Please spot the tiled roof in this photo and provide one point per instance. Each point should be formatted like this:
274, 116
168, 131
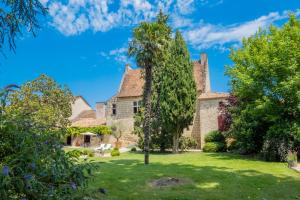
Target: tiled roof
132, 84
88, 122
86, 114
87, 118
213, 95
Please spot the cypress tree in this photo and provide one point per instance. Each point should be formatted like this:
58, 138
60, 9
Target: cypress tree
178, 91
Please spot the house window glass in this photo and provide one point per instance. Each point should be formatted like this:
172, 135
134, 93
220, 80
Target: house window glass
114, 109
135, 107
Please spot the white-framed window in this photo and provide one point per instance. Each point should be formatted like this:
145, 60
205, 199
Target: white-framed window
114, 109
136, 106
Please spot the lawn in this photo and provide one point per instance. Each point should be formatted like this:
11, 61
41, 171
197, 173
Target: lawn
210, 176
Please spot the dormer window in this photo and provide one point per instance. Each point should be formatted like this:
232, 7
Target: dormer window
114, 109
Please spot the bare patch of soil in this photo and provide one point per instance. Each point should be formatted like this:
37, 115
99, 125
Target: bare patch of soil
169, 181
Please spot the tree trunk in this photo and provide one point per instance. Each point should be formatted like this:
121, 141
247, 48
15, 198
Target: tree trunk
147, 103
175, 143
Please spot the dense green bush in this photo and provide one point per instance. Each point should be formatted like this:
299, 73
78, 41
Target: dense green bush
265, 81
88, 152
186, 143
33, 164
133, 149
115, 152
214, 147
214, 136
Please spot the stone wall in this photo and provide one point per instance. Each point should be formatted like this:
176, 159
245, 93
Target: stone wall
124, 116
78, 106
208, 110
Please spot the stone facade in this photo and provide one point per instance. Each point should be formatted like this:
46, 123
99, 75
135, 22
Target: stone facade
119, 109
208, 112
78, 106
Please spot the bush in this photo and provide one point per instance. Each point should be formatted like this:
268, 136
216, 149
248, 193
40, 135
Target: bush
88, 152
115, 152
187, 143
214, 147
133, 149
231, 144
33, 164
214, 136
275, 149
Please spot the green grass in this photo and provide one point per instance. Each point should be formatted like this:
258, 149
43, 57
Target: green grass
213, 176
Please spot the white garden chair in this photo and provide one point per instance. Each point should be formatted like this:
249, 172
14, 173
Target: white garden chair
100, 147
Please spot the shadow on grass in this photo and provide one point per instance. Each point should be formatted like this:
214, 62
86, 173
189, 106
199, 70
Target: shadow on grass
129, 179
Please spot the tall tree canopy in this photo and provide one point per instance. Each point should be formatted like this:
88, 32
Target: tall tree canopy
148, 45
17, 16
177, 96
265, 78
33, 119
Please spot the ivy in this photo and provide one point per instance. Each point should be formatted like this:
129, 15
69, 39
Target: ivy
100, 130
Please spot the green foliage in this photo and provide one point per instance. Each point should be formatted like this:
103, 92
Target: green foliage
33, 163
100, 130
172, 102
18, 16
177, 98
214, 136
186, 143
265, 79
115, 152
116, 131
133, 149
150, 39
159, 139
214, 147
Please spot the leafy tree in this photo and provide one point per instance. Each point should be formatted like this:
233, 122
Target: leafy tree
17, 16
147, 46
178, 91
265, 79
33, 164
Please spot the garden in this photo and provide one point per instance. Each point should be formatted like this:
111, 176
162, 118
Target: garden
196, 175
245, 159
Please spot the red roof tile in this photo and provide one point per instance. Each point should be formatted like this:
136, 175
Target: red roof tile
132, 85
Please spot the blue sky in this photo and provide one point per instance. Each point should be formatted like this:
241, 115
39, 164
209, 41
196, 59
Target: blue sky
82, 43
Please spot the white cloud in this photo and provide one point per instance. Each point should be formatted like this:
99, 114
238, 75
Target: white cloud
185, 6
180, 22
72, 17
119, 55
205, 35
76, 16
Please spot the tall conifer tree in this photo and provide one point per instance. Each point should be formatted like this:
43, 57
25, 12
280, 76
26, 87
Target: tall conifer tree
178, 91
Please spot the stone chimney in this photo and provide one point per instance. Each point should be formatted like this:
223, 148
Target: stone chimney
203, 59
204, 62
100, 110
127, 67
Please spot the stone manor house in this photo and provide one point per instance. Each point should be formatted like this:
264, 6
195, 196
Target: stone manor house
121, 108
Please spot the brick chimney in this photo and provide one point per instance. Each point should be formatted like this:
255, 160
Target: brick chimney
204, 62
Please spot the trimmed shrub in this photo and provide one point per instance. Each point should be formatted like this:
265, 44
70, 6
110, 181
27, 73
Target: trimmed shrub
187, 143
214, 147
115, 152
214, 136
133, 149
